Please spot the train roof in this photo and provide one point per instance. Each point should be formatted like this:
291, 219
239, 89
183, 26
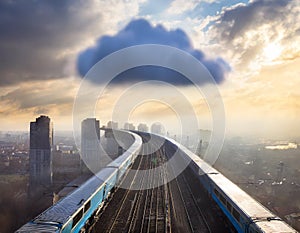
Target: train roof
66, 207
263, 218
61, 212
30, 227
121, 159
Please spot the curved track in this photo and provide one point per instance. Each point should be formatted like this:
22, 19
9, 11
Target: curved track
173, 207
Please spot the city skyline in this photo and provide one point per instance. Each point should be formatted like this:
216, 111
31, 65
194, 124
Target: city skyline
258, 40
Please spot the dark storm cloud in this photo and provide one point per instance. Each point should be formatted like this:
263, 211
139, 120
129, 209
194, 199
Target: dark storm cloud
245, 30
139, 32
35, 33
237, 20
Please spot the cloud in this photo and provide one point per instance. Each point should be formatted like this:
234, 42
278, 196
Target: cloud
39, 39
258, 33
20, 104
37, 96
35, 34
181, 6
139, 32
238, 19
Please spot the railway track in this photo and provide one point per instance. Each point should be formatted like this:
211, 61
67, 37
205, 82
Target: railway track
118, 222
140, 205
123, 194
196, 204
140, 210
171, 207
153, 214
194, 217
155, 218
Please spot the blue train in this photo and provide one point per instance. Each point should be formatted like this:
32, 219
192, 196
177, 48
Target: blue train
246, 214
71, 213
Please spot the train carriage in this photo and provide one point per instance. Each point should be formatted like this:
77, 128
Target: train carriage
71, 213
246, 214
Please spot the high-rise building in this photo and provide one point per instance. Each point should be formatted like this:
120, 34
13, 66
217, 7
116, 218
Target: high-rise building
112, 125
157, 128
129, 126
205, 135
40, 156
90, 143
143, 127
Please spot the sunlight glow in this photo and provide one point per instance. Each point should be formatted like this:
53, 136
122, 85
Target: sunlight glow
272, 51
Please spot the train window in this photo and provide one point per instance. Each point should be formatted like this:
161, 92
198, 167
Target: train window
77, 218
217, 193
243, 220
222, 198
235, 214
253, 230
228, 206
87, 206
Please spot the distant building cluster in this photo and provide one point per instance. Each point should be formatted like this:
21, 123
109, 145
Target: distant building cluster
41, 146
93, 146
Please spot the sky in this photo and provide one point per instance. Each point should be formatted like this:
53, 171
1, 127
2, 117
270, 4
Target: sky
251, 49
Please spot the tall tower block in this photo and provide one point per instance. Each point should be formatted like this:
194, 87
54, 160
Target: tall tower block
90, 144
40, 156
